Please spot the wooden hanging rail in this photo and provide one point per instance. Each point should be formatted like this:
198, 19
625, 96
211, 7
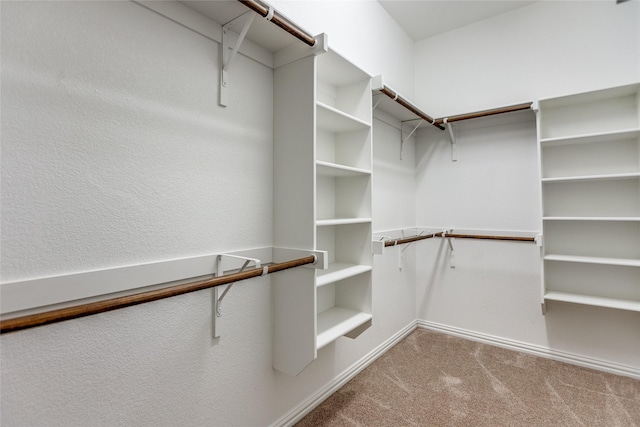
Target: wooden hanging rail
457, 236
406, 104
82, 310
483, 237
411, 239
279, 20
484, 113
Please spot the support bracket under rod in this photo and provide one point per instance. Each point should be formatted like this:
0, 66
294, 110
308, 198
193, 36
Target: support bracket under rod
452, 134
403, 140
452, 255
229, 52
226, 263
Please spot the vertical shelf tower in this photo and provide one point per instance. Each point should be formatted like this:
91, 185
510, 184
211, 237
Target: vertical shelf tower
589, 148
322, 186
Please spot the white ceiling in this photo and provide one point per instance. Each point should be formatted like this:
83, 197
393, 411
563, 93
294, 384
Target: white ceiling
425, 18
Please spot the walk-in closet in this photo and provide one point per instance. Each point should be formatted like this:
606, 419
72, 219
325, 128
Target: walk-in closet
320, 213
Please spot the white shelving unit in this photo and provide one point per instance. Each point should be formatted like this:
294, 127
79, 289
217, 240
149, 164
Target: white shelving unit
590, 158
322, 180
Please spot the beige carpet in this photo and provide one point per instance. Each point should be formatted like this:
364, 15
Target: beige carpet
432, 379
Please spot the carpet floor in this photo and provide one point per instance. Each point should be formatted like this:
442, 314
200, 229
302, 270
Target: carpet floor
432, 379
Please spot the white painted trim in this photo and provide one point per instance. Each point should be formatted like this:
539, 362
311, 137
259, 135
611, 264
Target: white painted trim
309, 404
47, 293
536, 350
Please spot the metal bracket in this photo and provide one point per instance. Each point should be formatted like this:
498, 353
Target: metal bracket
452, 255
226, 263
229, 52
452, 134
403, 140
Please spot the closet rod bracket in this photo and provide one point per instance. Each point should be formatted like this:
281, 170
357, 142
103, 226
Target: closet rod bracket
452, 255
226, 263
230, 46
452, 134
403, 140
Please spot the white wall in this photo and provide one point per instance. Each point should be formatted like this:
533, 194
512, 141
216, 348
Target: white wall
543, 50
363, 32
115, 152
547, 49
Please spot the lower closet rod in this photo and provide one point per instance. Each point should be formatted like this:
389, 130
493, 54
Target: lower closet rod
68, 313
458, 236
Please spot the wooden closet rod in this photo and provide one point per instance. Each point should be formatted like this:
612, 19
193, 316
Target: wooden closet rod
457, 236
478, 236
82, 310
280, 21
484, 113
411, 239
406, 104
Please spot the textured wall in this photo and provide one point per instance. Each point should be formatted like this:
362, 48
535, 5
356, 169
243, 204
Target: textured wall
114, 148
115, 152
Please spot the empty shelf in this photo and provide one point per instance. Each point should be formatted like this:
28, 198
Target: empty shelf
594, 260
339, 271
590, 138
334, 169
592, 218
341, 221
594, 301
337, 121
336, 322
633, 175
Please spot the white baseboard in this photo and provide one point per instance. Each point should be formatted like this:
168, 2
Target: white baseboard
574, 359
306, 406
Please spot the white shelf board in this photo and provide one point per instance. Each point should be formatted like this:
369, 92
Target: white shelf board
339, 271
616, 176
335, 120
592, 300
590, 138
336, 322
628, 262
593, 218
334, 169
341, 221
588, 97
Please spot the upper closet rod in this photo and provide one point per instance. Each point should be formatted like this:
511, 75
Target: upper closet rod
458, 236
484, 113
272, 15
40, 319
406, 104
